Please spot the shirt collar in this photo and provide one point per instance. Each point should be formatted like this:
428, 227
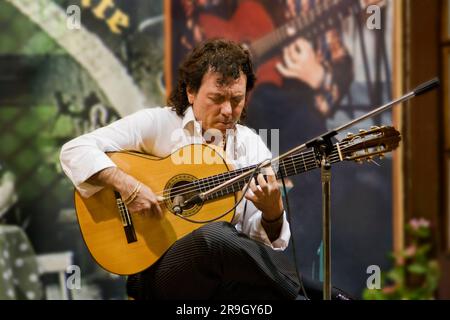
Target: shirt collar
189, 118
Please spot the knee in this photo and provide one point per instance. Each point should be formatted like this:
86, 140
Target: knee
215, 236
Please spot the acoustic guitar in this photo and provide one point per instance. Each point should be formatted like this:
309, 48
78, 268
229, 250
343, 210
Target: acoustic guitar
125, 243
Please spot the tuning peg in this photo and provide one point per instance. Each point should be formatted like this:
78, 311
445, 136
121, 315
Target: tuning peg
358, 161
349, 134
381, 156
362, 131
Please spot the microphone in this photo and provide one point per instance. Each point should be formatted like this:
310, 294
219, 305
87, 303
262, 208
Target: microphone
178, 205
177, 209
427, 86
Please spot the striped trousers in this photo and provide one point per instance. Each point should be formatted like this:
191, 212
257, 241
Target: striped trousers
218, 262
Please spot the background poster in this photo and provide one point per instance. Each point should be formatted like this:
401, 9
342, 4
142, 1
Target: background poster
358, 61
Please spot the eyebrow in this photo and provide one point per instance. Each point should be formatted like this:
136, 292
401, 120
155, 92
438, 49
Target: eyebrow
217, 94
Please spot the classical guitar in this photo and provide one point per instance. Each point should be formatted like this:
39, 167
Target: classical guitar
253, 26
125, 243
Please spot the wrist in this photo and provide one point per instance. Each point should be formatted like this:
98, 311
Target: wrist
272, 219
122, 182
272, 227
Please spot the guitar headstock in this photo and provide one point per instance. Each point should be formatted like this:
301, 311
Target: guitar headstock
365, 145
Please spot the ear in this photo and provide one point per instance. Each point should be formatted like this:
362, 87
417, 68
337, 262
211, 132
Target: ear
190, 95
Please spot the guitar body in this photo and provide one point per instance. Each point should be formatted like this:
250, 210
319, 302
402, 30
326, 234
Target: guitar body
102, 226
250, 22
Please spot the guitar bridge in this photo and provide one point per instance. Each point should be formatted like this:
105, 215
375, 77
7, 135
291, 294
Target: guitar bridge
125, 216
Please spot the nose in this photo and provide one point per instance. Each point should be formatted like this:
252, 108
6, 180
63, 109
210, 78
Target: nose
225, 109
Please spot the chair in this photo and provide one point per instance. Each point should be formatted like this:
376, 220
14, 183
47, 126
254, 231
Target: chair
56, 263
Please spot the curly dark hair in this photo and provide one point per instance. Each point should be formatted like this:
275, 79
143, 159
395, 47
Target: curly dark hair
223, 56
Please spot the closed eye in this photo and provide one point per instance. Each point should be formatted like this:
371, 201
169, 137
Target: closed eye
217, 99
236, 100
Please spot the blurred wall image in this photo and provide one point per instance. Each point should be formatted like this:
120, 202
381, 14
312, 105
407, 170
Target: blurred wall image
59, 83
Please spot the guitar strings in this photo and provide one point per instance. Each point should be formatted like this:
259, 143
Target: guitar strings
228, 175
229, 210
210, 182
289, 172
307, 157
241, 182
309, 162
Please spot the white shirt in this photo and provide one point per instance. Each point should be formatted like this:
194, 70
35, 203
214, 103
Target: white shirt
160, 132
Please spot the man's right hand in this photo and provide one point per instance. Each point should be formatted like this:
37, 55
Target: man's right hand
144, 202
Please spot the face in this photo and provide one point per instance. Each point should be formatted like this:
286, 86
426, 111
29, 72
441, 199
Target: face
218, 106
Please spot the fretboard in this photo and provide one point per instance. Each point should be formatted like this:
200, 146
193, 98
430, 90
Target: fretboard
290, 166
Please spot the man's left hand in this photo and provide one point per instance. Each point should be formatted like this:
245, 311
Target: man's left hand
266, 196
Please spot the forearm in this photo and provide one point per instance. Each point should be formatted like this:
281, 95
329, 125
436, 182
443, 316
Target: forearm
115, 178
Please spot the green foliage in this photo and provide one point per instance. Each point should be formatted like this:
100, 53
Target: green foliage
415, 275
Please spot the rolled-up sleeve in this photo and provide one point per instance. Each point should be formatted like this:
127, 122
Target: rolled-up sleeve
256, 231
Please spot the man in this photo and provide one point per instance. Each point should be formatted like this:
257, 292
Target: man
301, 84
218, 260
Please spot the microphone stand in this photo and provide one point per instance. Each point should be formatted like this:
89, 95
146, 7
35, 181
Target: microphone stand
323, 146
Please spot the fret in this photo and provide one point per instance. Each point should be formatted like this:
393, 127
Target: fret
293, 164
304, 164
284, 167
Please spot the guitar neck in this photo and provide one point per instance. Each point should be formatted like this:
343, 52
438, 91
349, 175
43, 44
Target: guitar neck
290, 166
325, 14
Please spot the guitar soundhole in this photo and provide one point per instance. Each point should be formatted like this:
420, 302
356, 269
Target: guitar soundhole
180, 189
